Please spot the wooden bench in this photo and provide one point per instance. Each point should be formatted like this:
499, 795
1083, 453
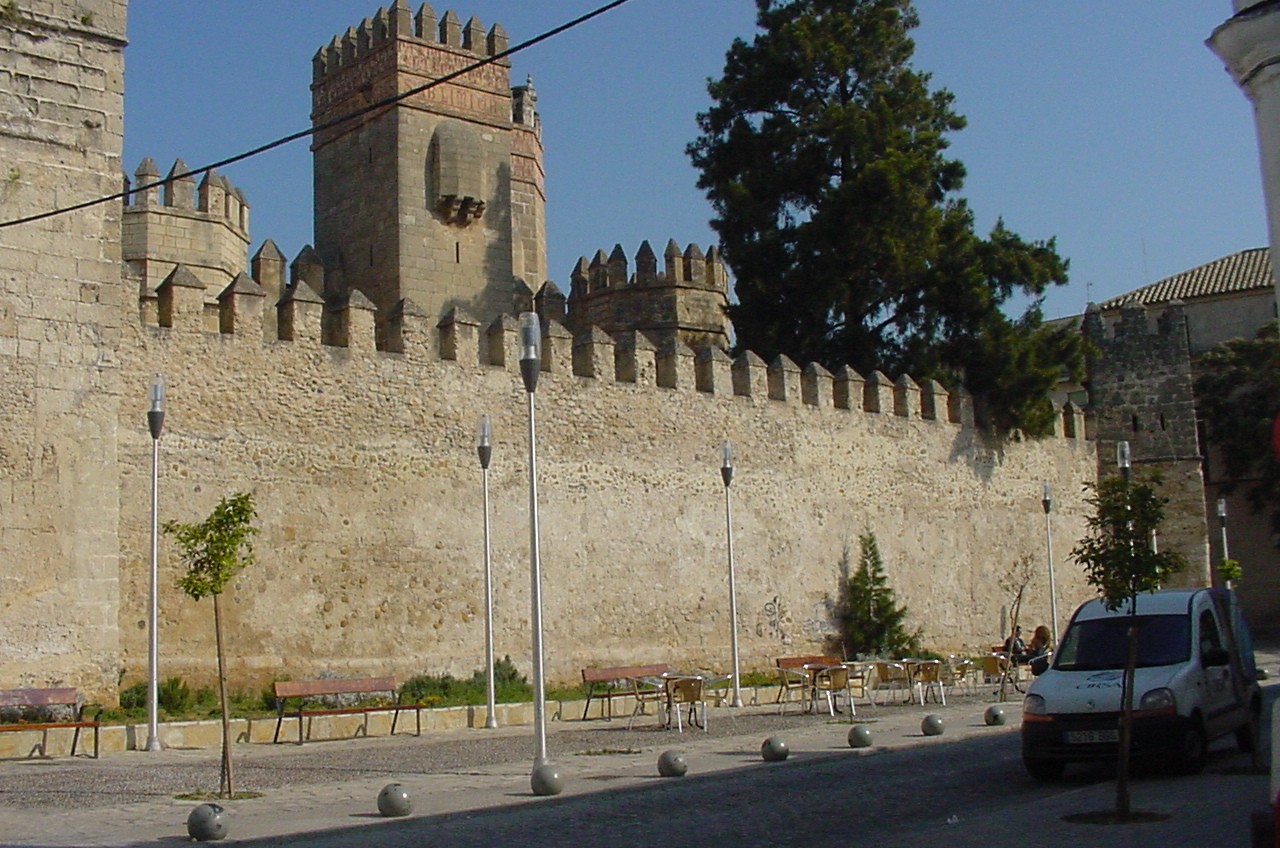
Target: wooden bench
605, 684
303, 690
59, 697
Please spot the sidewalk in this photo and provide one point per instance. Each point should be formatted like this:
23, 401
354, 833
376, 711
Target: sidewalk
127, 798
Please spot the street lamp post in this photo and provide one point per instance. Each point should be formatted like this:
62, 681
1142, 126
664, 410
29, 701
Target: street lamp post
545, 779
1046, 501
1222, 528
484, 448
155, 423
726, 473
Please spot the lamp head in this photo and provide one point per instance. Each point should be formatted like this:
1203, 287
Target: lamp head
726, 463
1122, 455
1046, 497
1222, 508
484, 442
155, 412
530, 350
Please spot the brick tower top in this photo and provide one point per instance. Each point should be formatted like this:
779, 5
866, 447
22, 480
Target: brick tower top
437, 199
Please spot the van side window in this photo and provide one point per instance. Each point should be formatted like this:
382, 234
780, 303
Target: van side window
1210, 640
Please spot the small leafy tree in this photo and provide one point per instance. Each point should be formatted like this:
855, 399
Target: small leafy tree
1015, 583
1119, 562
867, 611
214, 551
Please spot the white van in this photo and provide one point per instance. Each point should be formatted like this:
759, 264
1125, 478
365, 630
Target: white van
1195, 681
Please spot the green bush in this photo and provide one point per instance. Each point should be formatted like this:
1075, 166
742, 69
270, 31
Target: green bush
446, 690
134, 697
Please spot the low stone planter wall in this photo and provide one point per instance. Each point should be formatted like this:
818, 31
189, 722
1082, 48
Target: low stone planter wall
207, 734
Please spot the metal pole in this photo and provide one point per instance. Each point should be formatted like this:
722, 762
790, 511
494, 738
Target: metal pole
535, 595
1222, 526
545, 779
492, 720
153, 609
155, 423
733, 602
1048, 539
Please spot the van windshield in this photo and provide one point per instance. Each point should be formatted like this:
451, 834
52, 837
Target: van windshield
1101, 643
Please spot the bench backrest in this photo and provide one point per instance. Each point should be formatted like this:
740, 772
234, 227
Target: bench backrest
800, 662
312, 688
622, 672
38, 697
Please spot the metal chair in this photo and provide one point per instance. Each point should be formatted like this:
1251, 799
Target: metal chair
686, 690
928, 678
830, 681
890, 676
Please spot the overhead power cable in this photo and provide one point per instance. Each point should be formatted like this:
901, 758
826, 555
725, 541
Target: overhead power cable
327, 125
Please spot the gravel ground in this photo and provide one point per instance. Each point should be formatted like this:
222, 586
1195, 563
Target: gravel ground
138, 776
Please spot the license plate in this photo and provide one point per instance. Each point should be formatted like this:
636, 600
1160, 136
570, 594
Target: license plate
1091, 737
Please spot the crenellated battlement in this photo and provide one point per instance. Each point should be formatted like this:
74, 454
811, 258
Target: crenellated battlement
689, 267
686, 299
304, 319
174, 220
399, 22
214, 196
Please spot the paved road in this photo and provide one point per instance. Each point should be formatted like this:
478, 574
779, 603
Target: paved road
969, 792
471, 788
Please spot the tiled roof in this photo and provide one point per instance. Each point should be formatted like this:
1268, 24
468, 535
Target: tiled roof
1247, 270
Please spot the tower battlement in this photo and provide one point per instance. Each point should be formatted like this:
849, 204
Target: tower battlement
399, 22
685, 300
175, 221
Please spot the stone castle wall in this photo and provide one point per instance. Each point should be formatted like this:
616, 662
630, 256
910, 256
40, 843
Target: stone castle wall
364, 471
360, 453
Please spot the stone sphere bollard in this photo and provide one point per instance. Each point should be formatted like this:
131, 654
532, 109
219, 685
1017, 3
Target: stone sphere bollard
394, 801
932, 725
546, 780
994, 715
672, 764
774, 750
207, 822
859, 736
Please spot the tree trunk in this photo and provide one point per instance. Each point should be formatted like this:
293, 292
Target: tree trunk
227, 787
1126, 725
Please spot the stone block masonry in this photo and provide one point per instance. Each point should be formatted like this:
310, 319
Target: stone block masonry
363, 467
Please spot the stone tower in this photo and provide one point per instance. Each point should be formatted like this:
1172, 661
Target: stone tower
686, 300
1140, 388
63, 311
437, 199
1249, 44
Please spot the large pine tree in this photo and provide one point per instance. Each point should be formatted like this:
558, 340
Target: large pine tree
823, 155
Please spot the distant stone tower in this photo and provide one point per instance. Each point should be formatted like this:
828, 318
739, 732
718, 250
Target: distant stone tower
1249, 44
203, 227
684, 301
1140, 388
438, 199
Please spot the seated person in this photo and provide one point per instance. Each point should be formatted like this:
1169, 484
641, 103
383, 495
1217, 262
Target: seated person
1039, 645
1014, 646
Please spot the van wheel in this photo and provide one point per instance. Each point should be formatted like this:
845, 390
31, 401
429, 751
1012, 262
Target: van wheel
1195, 749
1044, 771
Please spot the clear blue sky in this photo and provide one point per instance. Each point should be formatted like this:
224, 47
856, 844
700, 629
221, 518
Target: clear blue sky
1106, 124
